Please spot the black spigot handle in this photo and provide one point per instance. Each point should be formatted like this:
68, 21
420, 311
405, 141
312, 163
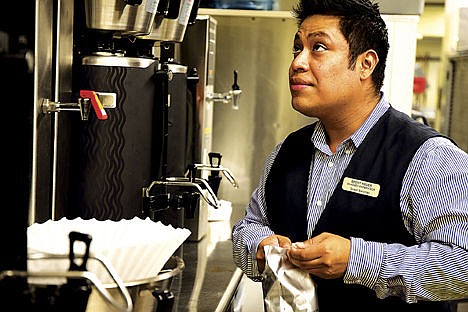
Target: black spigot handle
235, 86
215, 159
214, 179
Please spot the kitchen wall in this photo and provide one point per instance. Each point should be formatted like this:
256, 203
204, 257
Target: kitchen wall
455, 52
431, 30
259, 48
442, 35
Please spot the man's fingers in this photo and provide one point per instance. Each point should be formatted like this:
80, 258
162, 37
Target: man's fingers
283, 241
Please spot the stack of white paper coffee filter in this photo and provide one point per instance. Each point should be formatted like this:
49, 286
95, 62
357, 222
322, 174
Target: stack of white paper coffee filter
136, 248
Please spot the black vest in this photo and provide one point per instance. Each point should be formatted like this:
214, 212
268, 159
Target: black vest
382, 158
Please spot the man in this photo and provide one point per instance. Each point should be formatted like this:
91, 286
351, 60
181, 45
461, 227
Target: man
371, 203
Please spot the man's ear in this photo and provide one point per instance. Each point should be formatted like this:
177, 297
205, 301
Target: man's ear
367, 63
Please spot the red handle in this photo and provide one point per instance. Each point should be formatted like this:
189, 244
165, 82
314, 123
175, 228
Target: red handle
96, 103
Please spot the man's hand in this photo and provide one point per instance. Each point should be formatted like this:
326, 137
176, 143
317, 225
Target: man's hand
325, 255
274, 240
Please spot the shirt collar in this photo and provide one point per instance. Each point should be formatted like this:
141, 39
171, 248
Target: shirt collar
319, 137
380, 109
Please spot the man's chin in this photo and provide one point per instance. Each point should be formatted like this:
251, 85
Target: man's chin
303, 107
297, 104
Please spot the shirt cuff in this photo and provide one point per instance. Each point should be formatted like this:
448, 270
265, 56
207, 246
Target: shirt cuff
365, 262
254, 271
256, 275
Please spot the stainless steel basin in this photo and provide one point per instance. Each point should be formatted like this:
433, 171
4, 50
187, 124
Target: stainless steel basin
120, 16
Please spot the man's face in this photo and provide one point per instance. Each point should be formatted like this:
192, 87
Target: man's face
321, 82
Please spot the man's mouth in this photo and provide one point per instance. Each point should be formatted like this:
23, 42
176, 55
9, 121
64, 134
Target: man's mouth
298, 87
298, 84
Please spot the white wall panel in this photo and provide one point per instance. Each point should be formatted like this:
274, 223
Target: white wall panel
399, 74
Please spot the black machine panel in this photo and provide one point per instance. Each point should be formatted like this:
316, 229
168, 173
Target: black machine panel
115, 159
114, 156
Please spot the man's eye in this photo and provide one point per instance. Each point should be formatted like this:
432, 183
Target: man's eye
318, 47
296, 50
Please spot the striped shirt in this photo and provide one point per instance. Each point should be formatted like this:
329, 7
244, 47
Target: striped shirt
434, 207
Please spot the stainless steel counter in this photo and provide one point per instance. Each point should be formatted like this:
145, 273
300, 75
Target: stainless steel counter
210, 277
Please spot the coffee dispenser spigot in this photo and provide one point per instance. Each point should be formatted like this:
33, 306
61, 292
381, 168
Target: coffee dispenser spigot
217, 168
82, 105
97, 100
236, 92
199, 185
232, 95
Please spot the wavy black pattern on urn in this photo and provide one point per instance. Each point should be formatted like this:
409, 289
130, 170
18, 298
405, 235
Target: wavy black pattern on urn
113, 179
103, 144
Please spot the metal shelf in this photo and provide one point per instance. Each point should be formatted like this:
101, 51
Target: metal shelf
245, 13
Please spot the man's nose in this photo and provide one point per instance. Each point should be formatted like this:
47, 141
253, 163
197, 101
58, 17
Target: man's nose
300, 61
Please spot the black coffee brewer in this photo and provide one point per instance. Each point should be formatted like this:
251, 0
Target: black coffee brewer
121, 49
124, 48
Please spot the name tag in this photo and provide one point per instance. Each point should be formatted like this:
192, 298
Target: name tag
361, 187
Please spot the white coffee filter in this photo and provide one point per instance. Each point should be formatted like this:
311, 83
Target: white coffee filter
136, 248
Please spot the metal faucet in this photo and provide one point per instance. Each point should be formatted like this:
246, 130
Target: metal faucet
212, 199
82, 105
226, 172
232, 95
97, 100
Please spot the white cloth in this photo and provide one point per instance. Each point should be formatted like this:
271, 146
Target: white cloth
286, 288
